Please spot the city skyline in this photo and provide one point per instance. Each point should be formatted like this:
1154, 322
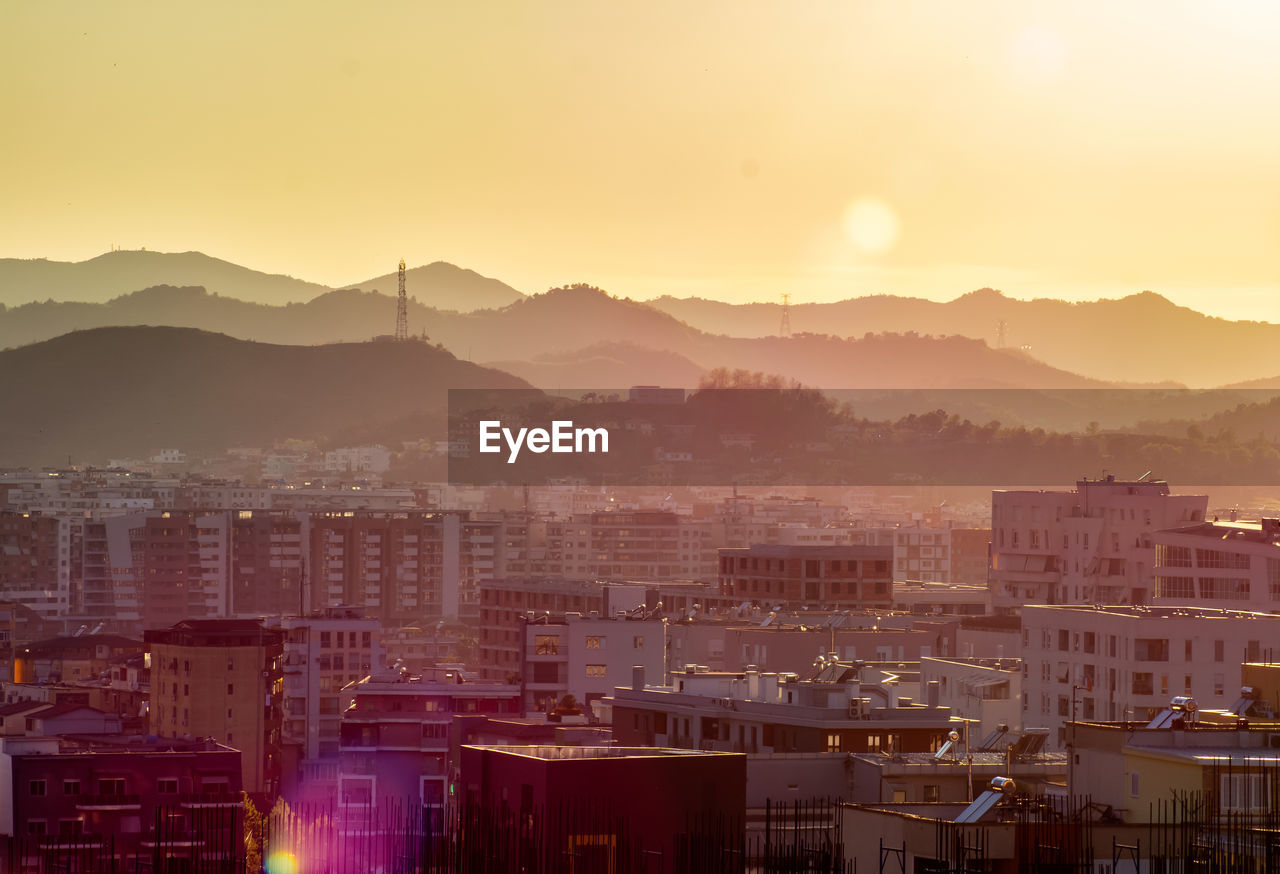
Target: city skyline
830, 152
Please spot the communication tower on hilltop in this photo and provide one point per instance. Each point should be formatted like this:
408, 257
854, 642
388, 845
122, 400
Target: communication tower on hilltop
402, 309
1001, 327
784, 330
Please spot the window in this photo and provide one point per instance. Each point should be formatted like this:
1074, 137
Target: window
595, 670
35, 788
931, 793
637, 642
1142, 684
546, 644
834, 742
231, 688
167, 786
36, 827
1244, 793
594, 642
325, 640
1218, 650
1175, 587
1134, 784
1217, 558
1173, 556
1225, 589
1219, 684
111, 786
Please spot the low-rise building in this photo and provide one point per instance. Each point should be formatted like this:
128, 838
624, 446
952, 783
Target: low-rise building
109, 803
395, 737
790, 577
1117, 663
585, 656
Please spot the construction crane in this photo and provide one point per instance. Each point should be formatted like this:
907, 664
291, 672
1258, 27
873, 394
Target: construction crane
402, 309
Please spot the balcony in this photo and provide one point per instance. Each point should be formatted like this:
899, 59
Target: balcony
207, 800
109, 802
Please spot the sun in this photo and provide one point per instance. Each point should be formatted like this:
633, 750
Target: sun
871, 225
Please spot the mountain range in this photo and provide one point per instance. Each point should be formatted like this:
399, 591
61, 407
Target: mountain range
116, 392
120, 272
1140, 338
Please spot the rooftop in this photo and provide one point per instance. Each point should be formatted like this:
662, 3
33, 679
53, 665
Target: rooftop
1145, 612
558, 753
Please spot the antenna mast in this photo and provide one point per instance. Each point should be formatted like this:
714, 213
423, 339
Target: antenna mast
402, 309
784, 330
1001, 327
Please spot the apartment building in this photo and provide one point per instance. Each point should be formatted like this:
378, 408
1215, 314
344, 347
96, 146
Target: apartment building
322, 653
585, 656
769, 713
1232, 565
395, 738
222, 678
838, 577
100, 800
1093, 545
1126, 662
633, 545
35, 562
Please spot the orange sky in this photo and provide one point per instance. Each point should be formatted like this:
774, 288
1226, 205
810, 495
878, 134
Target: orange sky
734, 150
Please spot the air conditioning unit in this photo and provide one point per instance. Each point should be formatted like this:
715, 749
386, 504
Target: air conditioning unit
855, 708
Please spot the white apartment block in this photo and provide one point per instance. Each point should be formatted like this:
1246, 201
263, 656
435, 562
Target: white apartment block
586, 656
322, 653
1126, 662
1094, 545
1231, 565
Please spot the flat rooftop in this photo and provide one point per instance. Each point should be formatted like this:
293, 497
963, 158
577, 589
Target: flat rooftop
549, 752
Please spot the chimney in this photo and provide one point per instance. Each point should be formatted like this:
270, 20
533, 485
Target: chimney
637, 678
934, 693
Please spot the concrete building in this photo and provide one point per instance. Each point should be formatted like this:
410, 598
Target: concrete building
95, 802
1118, 663
768, 713
633, 545
1094, 545
987, 693
837, 577
395, 738
609, 808
222, 678
1231, 565
35, 562
322, 654
68, 659
585, 656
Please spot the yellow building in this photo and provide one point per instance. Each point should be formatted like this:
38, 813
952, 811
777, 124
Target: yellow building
221, 678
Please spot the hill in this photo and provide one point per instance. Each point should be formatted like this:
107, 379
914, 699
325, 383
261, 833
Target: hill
121, 391
444, 286
1140, 338
115, 273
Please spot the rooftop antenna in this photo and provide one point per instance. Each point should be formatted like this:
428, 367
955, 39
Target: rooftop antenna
1001, 327
402, 309
784, 330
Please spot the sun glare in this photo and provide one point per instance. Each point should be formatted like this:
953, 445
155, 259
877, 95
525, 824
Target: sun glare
871, 225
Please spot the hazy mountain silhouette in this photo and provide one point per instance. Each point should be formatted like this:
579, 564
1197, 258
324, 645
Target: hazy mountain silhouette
1141, 338
557, 326
115, 273
606, 365
124, 391
444, 286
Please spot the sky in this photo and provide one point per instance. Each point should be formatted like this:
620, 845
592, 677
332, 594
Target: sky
725, 149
